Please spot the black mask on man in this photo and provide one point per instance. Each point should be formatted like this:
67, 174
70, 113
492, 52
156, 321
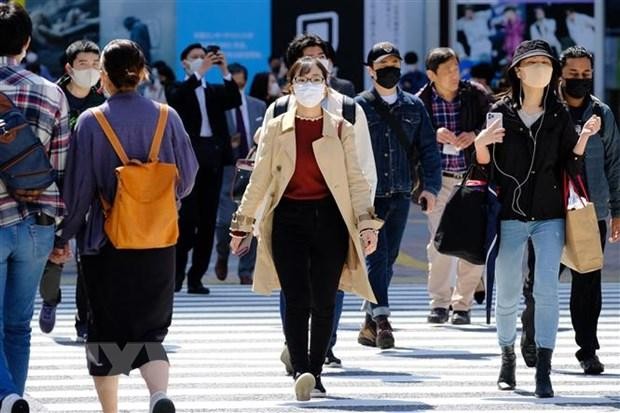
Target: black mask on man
578, 88
388, 77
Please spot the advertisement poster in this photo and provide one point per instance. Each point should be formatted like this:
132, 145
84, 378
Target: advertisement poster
488, 32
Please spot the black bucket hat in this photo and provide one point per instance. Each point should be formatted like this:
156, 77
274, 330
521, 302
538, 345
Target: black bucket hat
531, 48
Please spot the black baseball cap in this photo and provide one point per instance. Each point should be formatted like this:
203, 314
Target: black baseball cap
531, 48
380, 51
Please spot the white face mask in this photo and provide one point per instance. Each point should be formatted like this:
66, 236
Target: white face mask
85, 78
537, 75
326, 63
274, 89
309, 95
194, 65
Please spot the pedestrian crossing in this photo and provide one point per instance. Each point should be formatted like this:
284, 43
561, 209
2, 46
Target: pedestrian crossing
224, 351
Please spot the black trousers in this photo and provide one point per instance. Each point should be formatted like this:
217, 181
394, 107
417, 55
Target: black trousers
131, 294
310, 244
585, 303
198, 214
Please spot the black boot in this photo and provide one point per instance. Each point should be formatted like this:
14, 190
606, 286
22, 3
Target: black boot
543, 370
507, 380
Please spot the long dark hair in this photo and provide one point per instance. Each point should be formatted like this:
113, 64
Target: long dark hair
260, 86
513, 92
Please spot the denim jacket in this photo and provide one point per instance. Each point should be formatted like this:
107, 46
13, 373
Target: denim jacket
391, 159
602, 162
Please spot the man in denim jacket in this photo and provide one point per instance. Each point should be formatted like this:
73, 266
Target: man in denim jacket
394, 185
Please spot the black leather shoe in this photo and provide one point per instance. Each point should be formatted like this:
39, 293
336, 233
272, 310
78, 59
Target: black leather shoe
528, 350
543, 371
461, 317
507, 379
200, 289
437, 316
592, 366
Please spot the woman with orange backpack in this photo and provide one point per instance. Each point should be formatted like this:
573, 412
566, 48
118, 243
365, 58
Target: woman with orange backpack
130, 162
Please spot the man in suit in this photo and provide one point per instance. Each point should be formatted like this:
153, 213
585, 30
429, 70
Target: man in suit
202, 107
243, 122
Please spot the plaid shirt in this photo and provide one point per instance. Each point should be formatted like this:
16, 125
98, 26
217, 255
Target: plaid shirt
46, 108
447, 115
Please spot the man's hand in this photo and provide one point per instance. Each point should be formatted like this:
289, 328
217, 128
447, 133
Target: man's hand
220, 60
430, 201
446, 136
465, 139
614, 235
60, 255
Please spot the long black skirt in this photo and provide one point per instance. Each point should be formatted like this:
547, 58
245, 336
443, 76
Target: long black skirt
131, 295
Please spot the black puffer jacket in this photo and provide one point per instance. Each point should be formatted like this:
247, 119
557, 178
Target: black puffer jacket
542, 194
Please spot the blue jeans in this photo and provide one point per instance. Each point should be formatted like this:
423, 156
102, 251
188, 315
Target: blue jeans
24, 249
222, 227
337, 313
394, 211
548, 239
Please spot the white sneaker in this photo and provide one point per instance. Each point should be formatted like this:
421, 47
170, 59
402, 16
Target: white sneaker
14, 403
304, 384
285, 358
160, 403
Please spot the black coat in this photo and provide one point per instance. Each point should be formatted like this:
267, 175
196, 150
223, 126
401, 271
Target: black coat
219, 99
542, 195
475, 104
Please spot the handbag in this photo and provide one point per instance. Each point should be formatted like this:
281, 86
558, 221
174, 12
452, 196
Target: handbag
462, 229
582, 246
243, 171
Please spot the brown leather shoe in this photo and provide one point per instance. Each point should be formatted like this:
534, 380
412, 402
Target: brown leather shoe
385, 338
245, 280
368, 333
221, 268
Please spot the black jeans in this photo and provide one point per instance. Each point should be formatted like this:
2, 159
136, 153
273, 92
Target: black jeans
198, 214
310, 242
585, 303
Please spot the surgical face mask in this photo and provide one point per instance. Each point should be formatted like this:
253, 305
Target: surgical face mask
274, 89
195, 64
85, 78
578, 88
537, 75
388, 77
309, 95
326, 64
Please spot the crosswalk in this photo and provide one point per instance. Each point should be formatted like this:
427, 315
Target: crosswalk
224, 351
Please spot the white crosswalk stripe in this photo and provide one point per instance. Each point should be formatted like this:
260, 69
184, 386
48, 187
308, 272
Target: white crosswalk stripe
224, 351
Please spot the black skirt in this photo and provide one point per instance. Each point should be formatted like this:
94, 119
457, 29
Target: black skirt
131, 296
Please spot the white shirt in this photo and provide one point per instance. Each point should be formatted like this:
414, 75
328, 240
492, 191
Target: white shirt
390, 99
205, 126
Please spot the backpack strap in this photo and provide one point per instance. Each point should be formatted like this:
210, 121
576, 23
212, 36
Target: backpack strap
111, 135
280, 107
348, 109
159, 133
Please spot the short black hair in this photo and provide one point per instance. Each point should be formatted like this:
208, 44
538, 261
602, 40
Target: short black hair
482, 70
330, 52
411, 58
238, 68
576, 52
81, 46
191, 47
438, 56
15, 29
296, 48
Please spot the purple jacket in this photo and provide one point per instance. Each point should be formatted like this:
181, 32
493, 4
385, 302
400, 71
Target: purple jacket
91, 162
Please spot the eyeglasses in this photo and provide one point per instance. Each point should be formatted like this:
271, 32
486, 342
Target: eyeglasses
315, 80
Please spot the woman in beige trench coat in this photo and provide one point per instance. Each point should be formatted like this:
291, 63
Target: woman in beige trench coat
318, 223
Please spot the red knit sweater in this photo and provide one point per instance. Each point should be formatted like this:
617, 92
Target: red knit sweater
307, 182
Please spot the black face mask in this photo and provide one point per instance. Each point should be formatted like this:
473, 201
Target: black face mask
275, 69
578, 88
388, 77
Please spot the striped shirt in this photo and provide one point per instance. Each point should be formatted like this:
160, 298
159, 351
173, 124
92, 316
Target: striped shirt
46, 109
447, 115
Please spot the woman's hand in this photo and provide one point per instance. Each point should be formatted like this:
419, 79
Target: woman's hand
493, 134
591, 127
236, 240
369, 240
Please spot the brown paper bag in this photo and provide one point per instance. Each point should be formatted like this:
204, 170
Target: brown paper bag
582, 247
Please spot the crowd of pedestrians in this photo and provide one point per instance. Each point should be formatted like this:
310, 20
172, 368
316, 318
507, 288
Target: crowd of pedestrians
141, 169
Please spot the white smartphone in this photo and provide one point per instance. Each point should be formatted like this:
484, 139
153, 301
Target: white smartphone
493, 116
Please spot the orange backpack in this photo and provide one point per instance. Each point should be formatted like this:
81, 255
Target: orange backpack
144, 213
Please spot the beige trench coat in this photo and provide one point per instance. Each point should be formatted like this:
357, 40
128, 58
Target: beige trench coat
275, 165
